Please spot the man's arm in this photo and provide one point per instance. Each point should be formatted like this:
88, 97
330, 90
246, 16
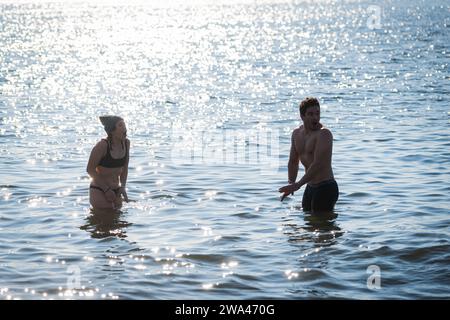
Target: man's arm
322, 156
293, 160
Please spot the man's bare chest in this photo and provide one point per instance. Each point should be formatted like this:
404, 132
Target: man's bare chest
305, 145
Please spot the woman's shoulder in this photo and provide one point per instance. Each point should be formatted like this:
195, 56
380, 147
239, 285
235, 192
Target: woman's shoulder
102, 144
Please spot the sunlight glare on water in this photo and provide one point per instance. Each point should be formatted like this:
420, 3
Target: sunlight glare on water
209, 92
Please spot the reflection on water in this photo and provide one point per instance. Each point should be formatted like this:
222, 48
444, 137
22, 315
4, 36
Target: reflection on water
324, 227
311, 237
106, 223
219, 69
318, 228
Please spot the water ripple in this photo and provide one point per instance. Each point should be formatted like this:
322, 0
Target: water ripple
187, 76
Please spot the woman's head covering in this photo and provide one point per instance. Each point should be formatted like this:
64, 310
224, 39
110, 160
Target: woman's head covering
109, 122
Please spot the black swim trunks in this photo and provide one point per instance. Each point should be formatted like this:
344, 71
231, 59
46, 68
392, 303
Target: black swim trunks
320, 197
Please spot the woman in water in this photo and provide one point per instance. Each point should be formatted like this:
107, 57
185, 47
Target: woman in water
108, 166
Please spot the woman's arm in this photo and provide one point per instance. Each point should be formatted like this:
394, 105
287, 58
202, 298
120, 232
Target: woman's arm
96, 155
124, 174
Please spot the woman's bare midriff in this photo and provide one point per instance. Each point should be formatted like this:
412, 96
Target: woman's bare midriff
108, 177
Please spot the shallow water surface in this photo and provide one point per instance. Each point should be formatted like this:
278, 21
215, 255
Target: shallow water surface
210, 95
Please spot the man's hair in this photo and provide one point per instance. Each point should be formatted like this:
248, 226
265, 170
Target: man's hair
307, 103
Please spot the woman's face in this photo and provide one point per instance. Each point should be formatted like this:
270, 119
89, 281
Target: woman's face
121, 129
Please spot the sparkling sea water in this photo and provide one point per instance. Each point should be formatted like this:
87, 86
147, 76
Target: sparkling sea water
209, 92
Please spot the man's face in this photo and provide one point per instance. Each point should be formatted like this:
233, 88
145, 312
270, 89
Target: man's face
311, 119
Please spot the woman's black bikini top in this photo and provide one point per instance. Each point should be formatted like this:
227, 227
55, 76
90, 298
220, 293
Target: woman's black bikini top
109, 162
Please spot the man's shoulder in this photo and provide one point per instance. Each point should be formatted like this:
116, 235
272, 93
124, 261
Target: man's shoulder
296, 133
325, 133
297, 130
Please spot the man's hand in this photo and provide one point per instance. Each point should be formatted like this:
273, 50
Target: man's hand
289, 189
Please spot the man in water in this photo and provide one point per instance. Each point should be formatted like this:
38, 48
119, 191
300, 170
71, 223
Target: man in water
312, 144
